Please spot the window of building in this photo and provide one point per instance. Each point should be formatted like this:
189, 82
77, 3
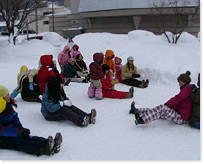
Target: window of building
45, 22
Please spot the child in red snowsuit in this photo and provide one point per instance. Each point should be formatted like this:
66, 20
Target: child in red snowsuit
107, 84
44, 75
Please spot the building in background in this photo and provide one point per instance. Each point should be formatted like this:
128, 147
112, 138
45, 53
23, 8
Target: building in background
117, 16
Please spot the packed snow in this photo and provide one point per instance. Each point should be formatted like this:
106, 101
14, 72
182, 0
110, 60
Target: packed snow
115, 135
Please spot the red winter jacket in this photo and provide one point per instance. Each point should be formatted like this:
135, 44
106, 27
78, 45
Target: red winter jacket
109, 93
95, 67
182, 102
44, 75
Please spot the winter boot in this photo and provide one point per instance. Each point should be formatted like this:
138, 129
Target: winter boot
48, 147
92, 116
91, 92
57, 141
98, 94
138, 119
85, 121
146, 83
130, 93
66, 82
132, 109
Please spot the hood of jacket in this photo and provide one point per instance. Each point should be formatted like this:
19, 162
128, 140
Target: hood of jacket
66, 48
46, 60
116, 59
98, 58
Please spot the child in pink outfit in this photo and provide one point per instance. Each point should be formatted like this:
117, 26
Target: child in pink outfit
75, 51
118, 67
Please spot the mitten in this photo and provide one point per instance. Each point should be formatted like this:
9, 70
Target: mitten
31, 86
67, 103
114, 81
14, 94
25, 133
135, 75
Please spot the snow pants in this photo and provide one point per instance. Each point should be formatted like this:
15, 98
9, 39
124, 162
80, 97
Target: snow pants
33, 145
115, 94
132, 82
72, 114
162, 111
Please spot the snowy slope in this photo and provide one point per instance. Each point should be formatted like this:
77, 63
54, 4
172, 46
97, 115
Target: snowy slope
114, 136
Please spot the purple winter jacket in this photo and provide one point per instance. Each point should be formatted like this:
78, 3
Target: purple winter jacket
182, 102
63, 56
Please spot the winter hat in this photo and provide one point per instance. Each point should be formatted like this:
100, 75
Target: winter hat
71, 60
105, 67
3, 91
130, 58
109, 53
76, 46
185, 77
23, 68
2, 104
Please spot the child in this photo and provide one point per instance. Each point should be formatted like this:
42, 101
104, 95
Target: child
56, 106
27, 85
14, 136
81, 66
177, 109
63, 57
70, 43
70, 73
44, 74
107, 84
194, 119
95, 68
129, 73
75, 51
118, 67
110, 62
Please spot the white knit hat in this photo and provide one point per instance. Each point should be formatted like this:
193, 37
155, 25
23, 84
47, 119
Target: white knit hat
130, 58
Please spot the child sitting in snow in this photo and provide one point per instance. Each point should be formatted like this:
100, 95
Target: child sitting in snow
129, 75
177, 109
75, 51
14, 136
107, 84
70, 73
63, 58
118, 67
194, 119
27, 85
56, 106
81, 66
95, 68
109, 55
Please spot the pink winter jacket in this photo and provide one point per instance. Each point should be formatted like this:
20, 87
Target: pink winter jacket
182, 102
63, 56
118, 70
74, 54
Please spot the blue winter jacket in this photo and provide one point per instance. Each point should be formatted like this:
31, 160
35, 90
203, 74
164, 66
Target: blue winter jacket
70, 70
48, 106
10, 124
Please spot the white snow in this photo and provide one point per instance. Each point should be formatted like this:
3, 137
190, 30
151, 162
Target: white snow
115, 135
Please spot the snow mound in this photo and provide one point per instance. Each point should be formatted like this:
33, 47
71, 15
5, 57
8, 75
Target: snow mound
140, 34
54, 38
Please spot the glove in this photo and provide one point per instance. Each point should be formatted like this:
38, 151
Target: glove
31, 86
114, 81
65, 103
135, 75
25, 133
14, 93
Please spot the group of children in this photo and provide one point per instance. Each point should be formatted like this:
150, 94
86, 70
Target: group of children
104, 72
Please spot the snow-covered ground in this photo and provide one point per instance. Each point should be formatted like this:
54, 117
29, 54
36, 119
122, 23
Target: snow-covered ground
115, 135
